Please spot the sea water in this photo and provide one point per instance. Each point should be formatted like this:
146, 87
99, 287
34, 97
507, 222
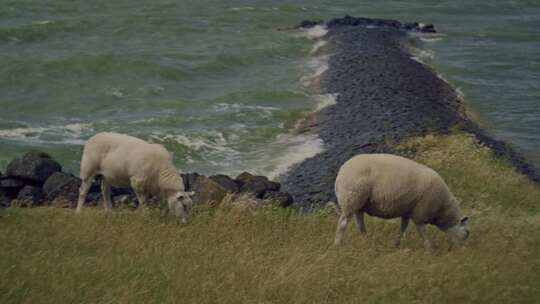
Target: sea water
222, 84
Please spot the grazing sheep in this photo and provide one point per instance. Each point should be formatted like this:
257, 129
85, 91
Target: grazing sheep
389, 186
125, 161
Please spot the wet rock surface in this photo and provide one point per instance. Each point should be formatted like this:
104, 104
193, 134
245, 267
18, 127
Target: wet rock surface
61, 185
10, 186
34, 167
258, 185
30, 196
62, 188
383, 96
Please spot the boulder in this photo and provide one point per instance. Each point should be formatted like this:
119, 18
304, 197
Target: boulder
62, 186
226, 182
309, 23
189, 180
124, 199
10, 186
5, 201
257, 185
208, 191
34, 167
30, 196
283, 199
428, 28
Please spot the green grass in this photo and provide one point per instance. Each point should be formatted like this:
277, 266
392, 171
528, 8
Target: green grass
238, 254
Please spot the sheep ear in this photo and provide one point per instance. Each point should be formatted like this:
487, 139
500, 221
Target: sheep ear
465, 220
190, 193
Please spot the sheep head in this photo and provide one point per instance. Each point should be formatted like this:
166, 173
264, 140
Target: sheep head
180, 203
458, 233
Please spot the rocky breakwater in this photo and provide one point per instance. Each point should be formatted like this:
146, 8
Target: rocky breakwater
37, 179
383, 96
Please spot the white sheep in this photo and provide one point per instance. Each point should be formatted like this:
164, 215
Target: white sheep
125, 161
389, 186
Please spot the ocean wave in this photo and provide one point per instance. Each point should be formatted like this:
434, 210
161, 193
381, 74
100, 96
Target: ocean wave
317, 46
314, 33
211, 146
325, 100
421, 55
35, 32
264, 111
66, 134
318, 65
242, 8
297, 149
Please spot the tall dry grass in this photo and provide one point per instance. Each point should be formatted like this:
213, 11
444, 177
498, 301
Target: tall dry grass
233, 254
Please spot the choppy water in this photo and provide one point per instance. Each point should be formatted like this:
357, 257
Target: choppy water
220, 86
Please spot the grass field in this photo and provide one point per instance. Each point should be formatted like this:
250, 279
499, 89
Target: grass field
237, 254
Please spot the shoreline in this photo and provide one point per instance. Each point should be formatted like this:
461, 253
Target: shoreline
384, 96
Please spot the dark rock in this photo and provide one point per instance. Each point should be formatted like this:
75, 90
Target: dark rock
5, 201
34, 167
208, 191
189, 180
411, 26
121, 191
354, 21
243, 178
257, 185
384, 96
283, 199
309, 23
92, 199
11, 186
383, 23
30, 196
226, 182
62, 186
124, 199
428, 28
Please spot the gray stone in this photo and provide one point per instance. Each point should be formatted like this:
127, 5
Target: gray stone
208, 191
62, 186
189, 180
226, 182
5, 201
34, 167
30, 196
257, 185
11, 186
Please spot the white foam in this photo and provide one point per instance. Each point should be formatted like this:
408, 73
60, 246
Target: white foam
115, 92
44, 22
319, 65
422, 55
441, 77
242, 8
300, 147
313, 33
263, 111
66, 134
317, 46
460, 94
430, 39
208, 143
325, 100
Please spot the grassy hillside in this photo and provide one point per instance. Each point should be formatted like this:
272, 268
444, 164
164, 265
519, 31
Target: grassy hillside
236, 254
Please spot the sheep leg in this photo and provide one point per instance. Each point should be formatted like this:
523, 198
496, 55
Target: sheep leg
106, 192
402, 228
422, 231
359, 215
83, 191
341, 226
141, 197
